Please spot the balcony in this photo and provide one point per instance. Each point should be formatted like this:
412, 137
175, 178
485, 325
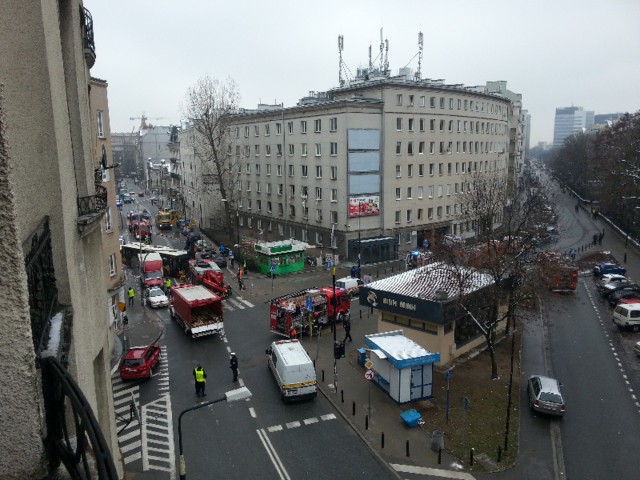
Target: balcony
87, 37
92, 207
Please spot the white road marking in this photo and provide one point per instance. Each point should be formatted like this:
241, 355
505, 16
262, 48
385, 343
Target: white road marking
328, 416
435, 472
275, 459
252, 412
275, 428
295, 424
309, 421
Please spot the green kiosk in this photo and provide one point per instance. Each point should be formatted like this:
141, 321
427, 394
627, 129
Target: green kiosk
282, 257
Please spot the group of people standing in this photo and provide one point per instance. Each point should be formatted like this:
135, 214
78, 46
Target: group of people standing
200, 376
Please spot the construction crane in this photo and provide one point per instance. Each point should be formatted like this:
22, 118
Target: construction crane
143, 120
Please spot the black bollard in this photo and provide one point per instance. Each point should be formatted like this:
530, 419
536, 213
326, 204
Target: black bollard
382, 440
353, 412
391, 268
408, 448
439, 455
471, 458
323, 375
342, 395
361, 314
377, 273
366, 422
499, 453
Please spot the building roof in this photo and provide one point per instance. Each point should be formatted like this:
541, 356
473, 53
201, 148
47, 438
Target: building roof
425, 282
401, 352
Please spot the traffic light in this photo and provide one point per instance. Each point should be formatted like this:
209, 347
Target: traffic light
338, 350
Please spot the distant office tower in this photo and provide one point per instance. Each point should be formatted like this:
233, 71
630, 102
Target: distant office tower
568, 121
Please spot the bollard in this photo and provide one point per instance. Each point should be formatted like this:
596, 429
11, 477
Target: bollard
499, 453
471, 457
323, 375
408, 448
361, 314
377, 273
366, 422
353, 412
382, 440
342, 395
391, 268
439, 455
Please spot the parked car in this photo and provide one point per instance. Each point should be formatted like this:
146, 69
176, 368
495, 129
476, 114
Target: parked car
156, 297
545, 395
139, 362
221, 262
608, 267
623, 294
627, 316
126, 198
612, 286
609, 278
141, 193
636, 348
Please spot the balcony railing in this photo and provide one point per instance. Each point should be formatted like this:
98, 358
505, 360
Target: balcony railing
87, 37
93, 204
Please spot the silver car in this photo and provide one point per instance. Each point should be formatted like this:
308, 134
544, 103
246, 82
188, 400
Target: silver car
545, 395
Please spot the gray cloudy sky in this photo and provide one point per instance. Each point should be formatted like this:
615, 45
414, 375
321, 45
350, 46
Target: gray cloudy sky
556, 53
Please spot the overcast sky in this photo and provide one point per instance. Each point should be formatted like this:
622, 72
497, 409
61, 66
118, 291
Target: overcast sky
555, 53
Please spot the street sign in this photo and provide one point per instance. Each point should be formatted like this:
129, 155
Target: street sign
272, 268
369, 374
448, 373
368, 364
309, 302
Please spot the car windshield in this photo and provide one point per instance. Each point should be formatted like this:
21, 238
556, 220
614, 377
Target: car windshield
136, 362
156, 293
153, 275
550, 397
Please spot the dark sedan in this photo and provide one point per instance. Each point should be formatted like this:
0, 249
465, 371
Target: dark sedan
623, 294
221, 262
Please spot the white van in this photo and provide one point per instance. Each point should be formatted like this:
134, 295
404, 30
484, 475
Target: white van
351, 285
627, 315
292, 369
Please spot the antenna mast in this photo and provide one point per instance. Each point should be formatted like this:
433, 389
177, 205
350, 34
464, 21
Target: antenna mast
370, 62
420, 47
340, 48
386, 57
381, 53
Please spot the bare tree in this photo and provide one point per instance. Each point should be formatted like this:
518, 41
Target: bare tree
207, 106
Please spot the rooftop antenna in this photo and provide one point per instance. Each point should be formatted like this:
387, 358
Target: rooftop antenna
370, 60
420, 47
381, 52
386, 57
340, 48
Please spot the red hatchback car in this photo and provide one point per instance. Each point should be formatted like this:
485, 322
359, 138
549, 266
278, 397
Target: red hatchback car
139, 362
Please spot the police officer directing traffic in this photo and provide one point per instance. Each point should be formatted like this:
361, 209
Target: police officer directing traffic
199, 375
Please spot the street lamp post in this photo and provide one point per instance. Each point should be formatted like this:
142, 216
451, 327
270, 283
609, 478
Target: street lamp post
359, 242
231, 396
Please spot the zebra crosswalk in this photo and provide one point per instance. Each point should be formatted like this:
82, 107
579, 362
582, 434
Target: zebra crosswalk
236, 303
146, 431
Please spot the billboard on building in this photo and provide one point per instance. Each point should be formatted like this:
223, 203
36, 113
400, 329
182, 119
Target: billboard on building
365, 206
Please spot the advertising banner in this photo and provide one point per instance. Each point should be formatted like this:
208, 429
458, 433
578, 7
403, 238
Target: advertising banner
364, 206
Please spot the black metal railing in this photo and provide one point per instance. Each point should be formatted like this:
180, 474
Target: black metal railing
93, 203
87, 36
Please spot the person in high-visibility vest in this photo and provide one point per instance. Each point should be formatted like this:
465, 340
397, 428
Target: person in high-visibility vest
167, 285
200, 377
132, 294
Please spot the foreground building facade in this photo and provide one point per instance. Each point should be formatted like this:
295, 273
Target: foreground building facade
367, 169
55, 340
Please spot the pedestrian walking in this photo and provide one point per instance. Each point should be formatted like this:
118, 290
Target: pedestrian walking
233, 365
347, 329
595, 239
132, 294
577, 208
600, 237
200, 376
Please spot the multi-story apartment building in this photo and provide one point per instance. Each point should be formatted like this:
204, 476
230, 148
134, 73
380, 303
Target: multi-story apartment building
111, 228
125, 152
369, 168
570, 120
55, 342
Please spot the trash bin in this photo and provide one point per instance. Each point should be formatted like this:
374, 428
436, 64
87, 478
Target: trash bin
437, 440
411, 417
362, 356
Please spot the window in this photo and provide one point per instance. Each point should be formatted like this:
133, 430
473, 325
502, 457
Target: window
409, 216
318, 171
441, 169
318, 125
419, 214
398, 148
430, 213
432, 102
398, 171
442, 125
334, 216
268, 169
108, 227
246, 131
112, 265
431, 169
334, 173
399, 123
249, 208
432, 125
257, 169
100, 120
292, 170
421, 170
292, 191
411, 100
280, 212
305, 171
237, 132
439, 190
451, 103
411, 124
422, 124
318, 215
267, 150
398, 213
423, 101
441, 147
303, 148
334, 194
432, 147
439, 212
399, 99
278, 128
448, 210
279, 170
290, 127
256, 130
318, 193
410, 170
420, 192
409, 193
334, 148
256, 149
333, 124
398, 194
319, 238
442, 100
448, 190
267, 130
318, 149
280, 189
291, 149
448, 168
258, 187
430, 191
451, 125
259, 208
247, 150
279, 149
410, 148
